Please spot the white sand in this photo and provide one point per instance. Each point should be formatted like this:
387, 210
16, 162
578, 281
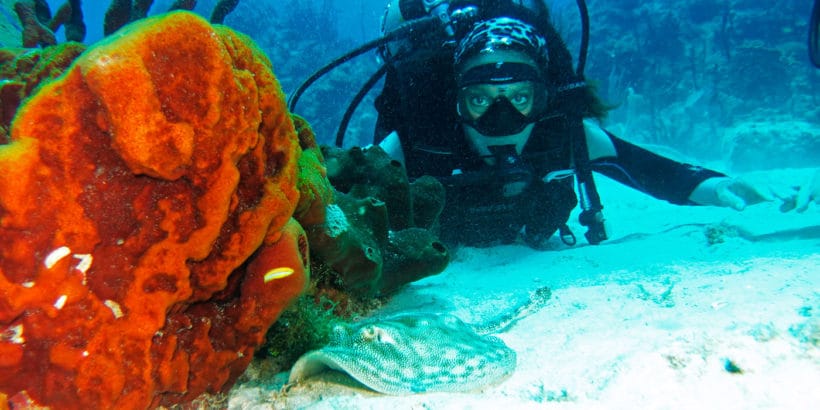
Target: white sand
648, 319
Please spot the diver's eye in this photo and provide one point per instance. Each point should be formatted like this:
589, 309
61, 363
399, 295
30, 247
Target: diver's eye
520, 99
479, 100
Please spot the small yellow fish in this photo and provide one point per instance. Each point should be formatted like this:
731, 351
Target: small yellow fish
278, 273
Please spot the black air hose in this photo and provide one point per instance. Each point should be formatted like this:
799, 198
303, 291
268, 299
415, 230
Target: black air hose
400, 31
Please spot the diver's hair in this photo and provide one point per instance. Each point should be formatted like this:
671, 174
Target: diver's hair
584, 101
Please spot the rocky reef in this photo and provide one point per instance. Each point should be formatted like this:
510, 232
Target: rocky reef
786, 143
23, 71
366, 222
373, 233
38, 24
146, 219
379, 233
696, 75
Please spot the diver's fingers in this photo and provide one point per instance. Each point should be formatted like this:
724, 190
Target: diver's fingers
728, 198
809, 192
788, 205
747, 190
784, 192
753, 189
801, 201
805, 196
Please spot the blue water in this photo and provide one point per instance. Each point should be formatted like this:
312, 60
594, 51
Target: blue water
681, 76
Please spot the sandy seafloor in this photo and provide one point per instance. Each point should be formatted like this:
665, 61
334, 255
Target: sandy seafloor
646, 320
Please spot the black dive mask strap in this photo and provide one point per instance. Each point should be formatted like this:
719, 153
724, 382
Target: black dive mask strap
499, 73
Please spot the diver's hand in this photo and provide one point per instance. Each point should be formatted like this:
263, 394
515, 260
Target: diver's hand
738, 193
809, 192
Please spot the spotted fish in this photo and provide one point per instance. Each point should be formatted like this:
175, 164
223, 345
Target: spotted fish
416, 353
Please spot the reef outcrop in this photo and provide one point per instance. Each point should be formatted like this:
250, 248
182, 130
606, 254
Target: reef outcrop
378, 233
22, 71
146, 220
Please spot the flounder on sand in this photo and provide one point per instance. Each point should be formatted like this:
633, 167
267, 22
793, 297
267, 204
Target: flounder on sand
415, 353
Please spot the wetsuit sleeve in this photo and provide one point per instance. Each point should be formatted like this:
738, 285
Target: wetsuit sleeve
661, 177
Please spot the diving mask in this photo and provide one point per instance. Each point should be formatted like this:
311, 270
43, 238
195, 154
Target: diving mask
500, 99
502, 117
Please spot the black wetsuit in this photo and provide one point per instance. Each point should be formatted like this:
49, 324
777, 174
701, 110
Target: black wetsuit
476, 212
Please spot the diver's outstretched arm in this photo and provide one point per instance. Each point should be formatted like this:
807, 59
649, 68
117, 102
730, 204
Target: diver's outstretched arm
680, 183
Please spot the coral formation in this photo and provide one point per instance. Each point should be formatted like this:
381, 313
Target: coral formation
23, 71
122, 12
351, 230
314, 188
689, 75
356, 256
307, 325
183, 5
372, 173
145, 215
222, 9
70, 15
411, 254
370, 235
349, 246
39, 26
35, 30
772, 143
117, 15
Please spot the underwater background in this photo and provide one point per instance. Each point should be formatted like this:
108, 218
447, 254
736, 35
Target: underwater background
684, 307
715, 80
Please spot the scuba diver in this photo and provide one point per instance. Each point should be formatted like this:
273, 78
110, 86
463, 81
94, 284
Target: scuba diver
483, 96
492, 106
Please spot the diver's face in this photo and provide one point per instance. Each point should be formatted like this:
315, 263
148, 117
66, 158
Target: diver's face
501, 92
477, 99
